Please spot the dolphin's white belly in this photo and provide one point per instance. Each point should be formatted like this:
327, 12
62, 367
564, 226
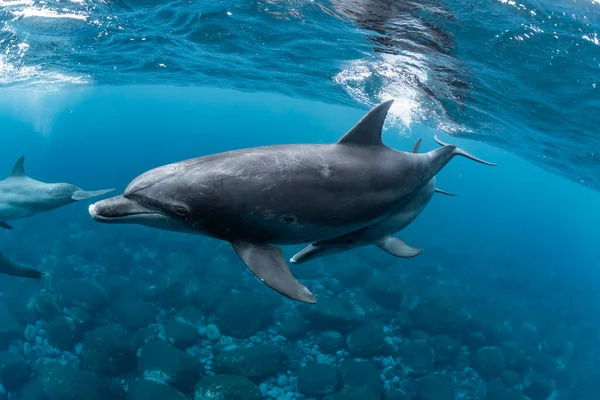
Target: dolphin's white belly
389, 226
24, 197
10, 212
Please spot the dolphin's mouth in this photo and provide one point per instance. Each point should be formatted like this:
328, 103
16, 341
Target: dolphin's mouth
120, 209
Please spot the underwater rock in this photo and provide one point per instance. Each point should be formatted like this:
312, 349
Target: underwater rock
362, 376
386, 289
144, 335
330, 315
351, 273
181, 334
109, 351
134, 314
208, 295
82, 293
353, 394
319, 380
490, 328
538, 387
445, 349
516, 356
418, 335
254, 362
364, 307
557, 338
213, 333
226, 387
488, 362
161, 361
61, 382
241, 316
497, 391
510, 378
119, 289
63, 333
399, 395
309, 271
330, 342
332, 285
172, 292
437, 316
145, 389
9, 328
45, 305
81, 317
14, 371
32, 390
474, 341
403, 320
433, 387
546, 365
367, 341
417, 358
293, 327
192, 315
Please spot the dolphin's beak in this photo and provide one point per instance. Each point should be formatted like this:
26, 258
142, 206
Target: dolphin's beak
120, 210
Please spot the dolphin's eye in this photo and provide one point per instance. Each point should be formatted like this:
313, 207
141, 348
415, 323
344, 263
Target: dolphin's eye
181, 211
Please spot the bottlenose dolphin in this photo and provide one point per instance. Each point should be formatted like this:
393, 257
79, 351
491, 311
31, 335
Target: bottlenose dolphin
378, 234
9, 267
284, 194
22, 197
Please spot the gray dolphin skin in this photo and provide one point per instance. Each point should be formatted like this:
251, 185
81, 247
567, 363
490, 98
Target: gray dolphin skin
8, 267
378, 234
258, 197
22, 197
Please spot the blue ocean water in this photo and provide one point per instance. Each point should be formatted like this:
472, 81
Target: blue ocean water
503, 302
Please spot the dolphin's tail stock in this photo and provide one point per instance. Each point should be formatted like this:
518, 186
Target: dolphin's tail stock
82, 194
8, 267
459, 152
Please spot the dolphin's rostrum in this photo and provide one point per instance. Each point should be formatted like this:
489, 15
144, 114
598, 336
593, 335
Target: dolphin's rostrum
22, 197
258, 197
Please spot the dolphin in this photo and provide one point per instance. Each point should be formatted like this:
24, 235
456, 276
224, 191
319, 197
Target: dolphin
258, 197
22, 197
380, 233
9, 267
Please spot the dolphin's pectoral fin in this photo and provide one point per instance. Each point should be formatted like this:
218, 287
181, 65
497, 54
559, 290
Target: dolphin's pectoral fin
82, 194
444, 192
5, 225
268, 264
398, 248
367, 132
306, 254
19, 168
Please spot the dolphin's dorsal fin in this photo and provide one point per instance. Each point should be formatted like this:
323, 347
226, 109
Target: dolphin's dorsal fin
367, 132
417, 146
18, 169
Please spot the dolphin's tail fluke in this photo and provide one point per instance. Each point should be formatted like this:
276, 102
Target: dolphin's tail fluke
82, 194
459, 152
